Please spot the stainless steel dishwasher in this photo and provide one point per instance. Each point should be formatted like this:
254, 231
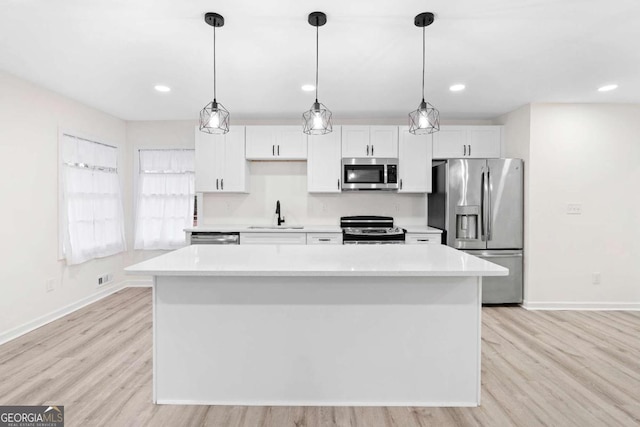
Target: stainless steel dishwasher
214, 238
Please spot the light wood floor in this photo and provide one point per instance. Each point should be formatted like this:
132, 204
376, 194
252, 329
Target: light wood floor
538, 368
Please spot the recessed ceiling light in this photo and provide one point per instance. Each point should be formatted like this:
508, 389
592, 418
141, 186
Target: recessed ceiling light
457, 87
607, 88
308, 88
162, 88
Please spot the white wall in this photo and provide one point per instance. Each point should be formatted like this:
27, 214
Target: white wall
587, 154
30, 118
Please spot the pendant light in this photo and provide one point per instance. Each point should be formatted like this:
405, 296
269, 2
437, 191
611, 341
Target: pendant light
214, 118
317, 121
426, 119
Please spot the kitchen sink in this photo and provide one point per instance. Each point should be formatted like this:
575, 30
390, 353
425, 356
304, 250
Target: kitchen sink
275, 227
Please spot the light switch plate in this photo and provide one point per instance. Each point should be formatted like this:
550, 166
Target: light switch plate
574, 209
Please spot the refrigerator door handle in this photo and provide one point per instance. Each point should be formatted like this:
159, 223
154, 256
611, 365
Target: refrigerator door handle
483, 199
489, 214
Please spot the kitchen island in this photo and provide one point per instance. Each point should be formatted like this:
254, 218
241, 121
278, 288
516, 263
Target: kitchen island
310, 325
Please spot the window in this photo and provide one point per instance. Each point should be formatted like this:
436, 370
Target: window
91, 209
166, 194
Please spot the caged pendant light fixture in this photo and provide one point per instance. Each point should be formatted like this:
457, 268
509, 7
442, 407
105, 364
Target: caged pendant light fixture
317, 121
426, 119
214, 118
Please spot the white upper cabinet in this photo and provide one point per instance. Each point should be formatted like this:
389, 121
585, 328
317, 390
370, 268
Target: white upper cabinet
467, 142
220, 161
369, 141
414, 162
276, 143
324, 167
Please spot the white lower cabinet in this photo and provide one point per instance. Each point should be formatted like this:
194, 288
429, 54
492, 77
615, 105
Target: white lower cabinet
273, 238
423, 238
324, 238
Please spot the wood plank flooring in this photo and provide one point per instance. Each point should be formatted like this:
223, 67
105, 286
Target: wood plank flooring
538, 369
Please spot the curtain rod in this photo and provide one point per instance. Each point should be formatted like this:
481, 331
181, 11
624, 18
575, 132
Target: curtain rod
88, 140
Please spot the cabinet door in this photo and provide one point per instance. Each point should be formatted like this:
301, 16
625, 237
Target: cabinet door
234, 168
324, 163
355, 141
484, 141
273, 238
450, 142
324, 238
209, 160
260, 142
423, 238
291, 143
383, 141
414, 162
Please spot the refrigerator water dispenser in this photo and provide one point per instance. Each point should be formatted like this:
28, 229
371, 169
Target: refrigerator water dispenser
467, 222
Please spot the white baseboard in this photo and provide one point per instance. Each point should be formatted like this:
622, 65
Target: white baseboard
141, 283
314, 403
569, 305
56, 314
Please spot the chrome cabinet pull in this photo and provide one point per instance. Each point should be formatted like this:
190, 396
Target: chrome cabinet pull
273, 150
222, 183
469, 149
278, 149
372, 147
401, 183
465, 150
338, 184
324, 240
367, 150
217, 188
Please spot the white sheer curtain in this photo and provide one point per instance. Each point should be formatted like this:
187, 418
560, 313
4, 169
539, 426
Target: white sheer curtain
93, 225
166, 192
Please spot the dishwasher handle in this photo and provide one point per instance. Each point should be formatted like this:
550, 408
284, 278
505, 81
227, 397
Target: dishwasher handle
205, 238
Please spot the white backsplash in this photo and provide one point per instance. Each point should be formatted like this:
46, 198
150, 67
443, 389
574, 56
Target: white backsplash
287, 181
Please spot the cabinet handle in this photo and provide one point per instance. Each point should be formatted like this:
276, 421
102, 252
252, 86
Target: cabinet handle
465, 150
338, 184
469, 149
401, 183
372, 150
273, 150
423, 240
222, 183
367, 150
278, 149
217, 188
324, 240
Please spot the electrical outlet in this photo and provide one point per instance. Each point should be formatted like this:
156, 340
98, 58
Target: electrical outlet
595, 278
574, 209
50, 285
104, 279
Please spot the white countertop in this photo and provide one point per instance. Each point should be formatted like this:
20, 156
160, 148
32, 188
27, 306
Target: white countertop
317, 260
241, 228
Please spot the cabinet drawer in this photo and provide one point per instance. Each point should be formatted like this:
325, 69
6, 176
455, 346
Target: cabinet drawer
423, 238
324, 238
275, 238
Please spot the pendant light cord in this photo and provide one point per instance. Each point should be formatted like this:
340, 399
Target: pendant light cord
423, 59
214, 63
317, 44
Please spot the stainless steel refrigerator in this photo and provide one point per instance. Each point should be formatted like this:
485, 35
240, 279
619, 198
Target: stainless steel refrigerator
479, 205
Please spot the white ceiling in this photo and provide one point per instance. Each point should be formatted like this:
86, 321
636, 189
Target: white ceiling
109, 54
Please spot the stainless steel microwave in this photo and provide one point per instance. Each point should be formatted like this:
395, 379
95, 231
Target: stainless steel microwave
369, 173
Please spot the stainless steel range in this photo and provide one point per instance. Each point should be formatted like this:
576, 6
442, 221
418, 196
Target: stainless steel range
370, 230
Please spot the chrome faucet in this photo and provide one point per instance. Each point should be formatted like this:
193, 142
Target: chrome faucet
280, 220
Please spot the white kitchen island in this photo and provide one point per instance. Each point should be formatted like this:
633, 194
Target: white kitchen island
311, 325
